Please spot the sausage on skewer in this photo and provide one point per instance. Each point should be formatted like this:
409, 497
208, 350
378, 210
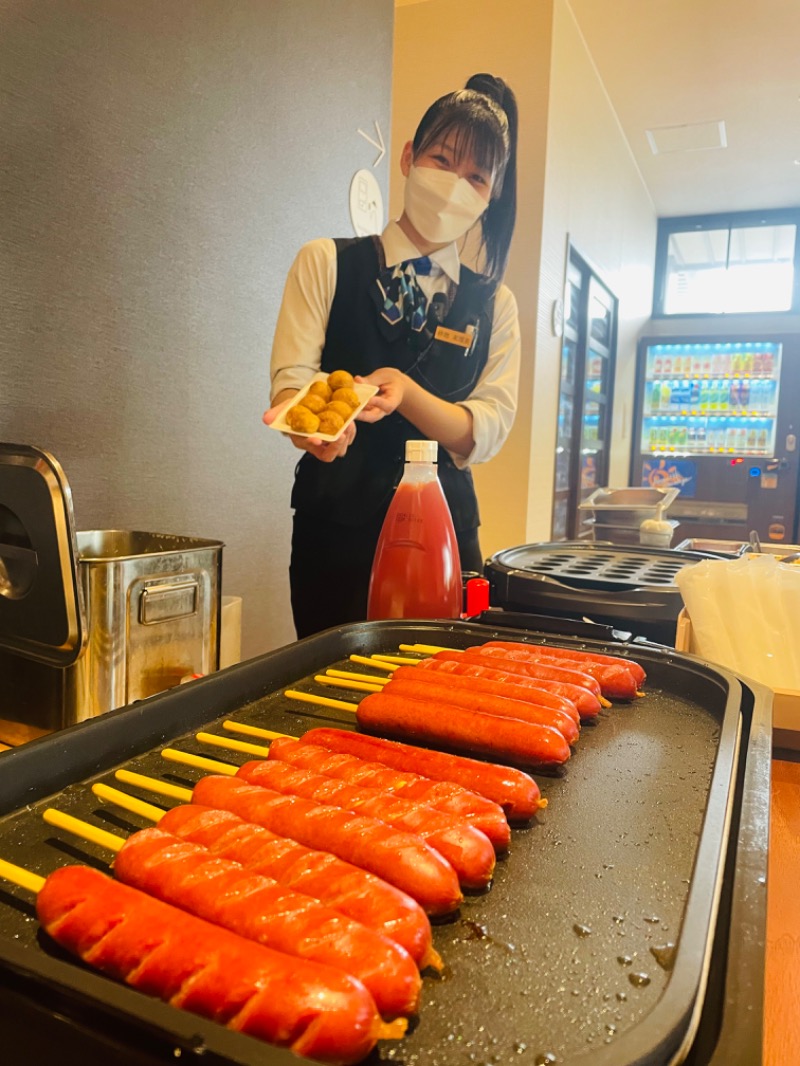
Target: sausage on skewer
515, 791
636, 669
258, 908
419, 685
400, 858
360, 895
462, 729
315, 1010
468, 851
479, 812
534, 670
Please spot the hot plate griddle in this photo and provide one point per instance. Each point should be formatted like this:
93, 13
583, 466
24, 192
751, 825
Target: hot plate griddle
593, 944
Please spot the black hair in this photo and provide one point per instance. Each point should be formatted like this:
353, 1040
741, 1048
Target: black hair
481, 119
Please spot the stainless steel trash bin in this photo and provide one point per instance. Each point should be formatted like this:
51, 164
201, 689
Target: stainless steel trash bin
91, 621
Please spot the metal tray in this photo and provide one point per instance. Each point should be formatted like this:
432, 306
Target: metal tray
629, 856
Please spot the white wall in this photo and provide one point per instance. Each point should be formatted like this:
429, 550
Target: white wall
577, 181
438, 45
595, 198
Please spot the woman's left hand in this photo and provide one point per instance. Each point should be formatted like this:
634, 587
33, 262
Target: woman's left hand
392, 385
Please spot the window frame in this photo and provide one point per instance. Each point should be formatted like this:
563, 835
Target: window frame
729, 220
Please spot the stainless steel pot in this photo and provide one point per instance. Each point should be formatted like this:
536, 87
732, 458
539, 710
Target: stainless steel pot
94, 620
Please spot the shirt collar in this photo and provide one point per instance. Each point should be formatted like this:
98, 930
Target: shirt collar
397, 248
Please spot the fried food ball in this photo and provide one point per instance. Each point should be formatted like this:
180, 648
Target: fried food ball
320, 388
340, 379
330, 421
302, 420
348, 396
343, 409
313, 401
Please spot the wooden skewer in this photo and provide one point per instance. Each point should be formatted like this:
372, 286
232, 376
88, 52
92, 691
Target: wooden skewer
401, 660
17, 875
255, 731
428, 649
79, 828
232, 745
371, 679
377, 663
359, 686
128, 803
152, 784
199, 762
322, 701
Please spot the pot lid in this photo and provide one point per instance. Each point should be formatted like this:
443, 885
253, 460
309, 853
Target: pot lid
41, 602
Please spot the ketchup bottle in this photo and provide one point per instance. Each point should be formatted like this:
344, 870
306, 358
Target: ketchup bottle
416, 572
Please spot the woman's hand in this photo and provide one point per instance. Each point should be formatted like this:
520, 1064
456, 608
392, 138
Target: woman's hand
324, 450
392, 385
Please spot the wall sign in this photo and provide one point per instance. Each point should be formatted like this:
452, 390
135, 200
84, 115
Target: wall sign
366, 204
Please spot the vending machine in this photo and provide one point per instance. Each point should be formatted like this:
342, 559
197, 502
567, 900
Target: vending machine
719, 420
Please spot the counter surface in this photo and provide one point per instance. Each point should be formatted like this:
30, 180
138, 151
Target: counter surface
782, 991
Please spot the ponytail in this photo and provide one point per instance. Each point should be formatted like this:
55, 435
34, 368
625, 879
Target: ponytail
497, 222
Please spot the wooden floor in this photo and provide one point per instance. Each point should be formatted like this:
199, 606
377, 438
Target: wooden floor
782, 996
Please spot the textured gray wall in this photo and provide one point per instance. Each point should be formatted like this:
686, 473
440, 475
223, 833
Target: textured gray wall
160, 163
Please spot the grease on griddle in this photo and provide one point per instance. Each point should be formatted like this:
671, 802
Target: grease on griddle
476, 931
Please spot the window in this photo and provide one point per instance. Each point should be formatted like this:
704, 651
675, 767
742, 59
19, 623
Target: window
727, 264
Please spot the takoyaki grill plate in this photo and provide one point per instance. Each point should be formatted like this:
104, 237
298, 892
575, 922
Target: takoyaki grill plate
603, 939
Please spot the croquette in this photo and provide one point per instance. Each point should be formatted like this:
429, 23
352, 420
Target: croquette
340, 379
301, 419
345, 395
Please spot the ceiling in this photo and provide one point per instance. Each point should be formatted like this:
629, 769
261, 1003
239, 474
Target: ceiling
694, 64
668, 63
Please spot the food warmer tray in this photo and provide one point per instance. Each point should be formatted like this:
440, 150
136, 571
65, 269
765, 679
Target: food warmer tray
625, 928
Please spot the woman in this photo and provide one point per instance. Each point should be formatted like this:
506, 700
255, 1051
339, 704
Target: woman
439, 340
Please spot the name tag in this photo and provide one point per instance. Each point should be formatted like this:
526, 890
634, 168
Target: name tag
452, 336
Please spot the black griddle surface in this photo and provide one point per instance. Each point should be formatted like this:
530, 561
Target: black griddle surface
568, 955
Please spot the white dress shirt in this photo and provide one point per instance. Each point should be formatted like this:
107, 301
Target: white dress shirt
303, 321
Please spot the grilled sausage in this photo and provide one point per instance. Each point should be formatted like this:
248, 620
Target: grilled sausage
586, 703
476, 679
636, 669
258, 908
315, 1010
516, 792
614, 681
402, 859
479, 812
356, 893
533, 670
468, 851
418, 685
462, 729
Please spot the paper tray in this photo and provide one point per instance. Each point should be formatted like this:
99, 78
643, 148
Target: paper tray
629, 856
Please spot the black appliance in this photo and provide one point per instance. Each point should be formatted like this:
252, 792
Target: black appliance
631, 589
626, 926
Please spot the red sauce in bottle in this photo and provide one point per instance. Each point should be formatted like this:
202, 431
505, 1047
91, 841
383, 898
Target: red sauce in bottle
417, 571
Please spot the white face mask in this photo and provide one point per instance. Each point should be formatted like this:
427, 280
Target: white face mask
441, 206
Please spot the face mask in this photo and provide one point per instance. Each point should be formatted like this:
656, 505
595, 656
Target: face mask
440, 205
